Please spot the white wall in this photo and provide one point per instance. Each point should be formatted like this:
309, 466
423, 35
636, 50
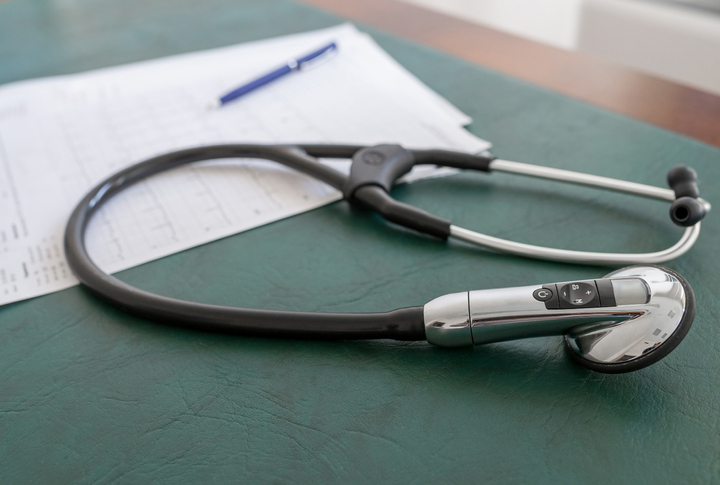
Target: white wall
552, 22
673, 41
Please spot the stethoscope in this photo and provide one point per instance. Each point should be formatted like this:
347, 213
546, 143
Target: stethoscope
625, 321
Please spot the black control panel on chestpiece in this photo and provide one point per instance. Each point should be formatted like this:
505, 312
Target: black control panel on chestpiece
577, 294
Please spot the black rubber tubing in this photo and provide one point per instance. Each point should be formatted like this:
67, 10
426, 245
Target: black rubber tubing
375, 198
402, 324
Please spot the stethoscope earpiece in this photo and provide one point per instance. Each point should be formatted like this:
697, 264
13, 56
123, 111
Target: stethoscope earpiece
683, 181
688, 209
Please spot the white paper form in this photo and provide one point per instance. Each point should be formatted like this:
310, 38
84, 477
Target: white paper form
60, 136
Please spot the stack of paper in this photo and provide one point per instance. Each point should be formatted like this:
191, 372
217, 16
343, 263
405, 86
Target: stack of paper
60, 136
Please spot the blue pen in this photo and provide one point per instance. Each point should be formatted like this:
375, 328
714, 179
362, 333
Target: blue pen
292, 65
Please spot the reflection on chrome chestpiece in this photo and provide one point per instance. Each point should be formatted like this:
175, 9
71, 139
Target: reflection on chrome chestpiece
625, 321
447, 321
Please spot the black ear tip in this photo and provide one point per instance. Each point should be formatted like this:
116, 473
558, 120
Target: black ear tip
687, 211
681, 173
683, 181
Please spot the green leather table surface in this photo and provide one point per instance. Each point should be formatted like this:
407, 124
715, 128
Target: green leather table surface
89, 394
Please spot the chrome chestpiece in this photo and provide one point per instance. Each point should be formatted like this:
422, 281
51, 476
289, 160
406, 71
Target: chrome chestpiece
623, 322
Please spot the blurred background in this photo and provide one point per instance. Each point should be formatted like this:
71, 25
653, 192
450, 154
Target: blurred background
677, 40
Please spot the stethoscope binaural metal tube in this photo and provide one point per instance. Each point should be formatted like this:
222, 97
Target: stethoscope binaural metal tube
569, 256
578, 178
687, 240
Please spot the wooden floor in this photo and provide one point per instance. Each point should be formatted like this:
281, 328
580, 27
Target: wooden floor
663, 103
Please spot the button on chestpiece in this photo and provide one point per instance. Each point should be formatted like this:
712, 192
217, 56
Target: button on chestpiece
542, 294
580, 294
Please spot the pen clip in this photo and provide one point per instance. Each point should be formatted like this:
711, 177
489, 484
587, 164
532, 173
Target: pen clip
313, 63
